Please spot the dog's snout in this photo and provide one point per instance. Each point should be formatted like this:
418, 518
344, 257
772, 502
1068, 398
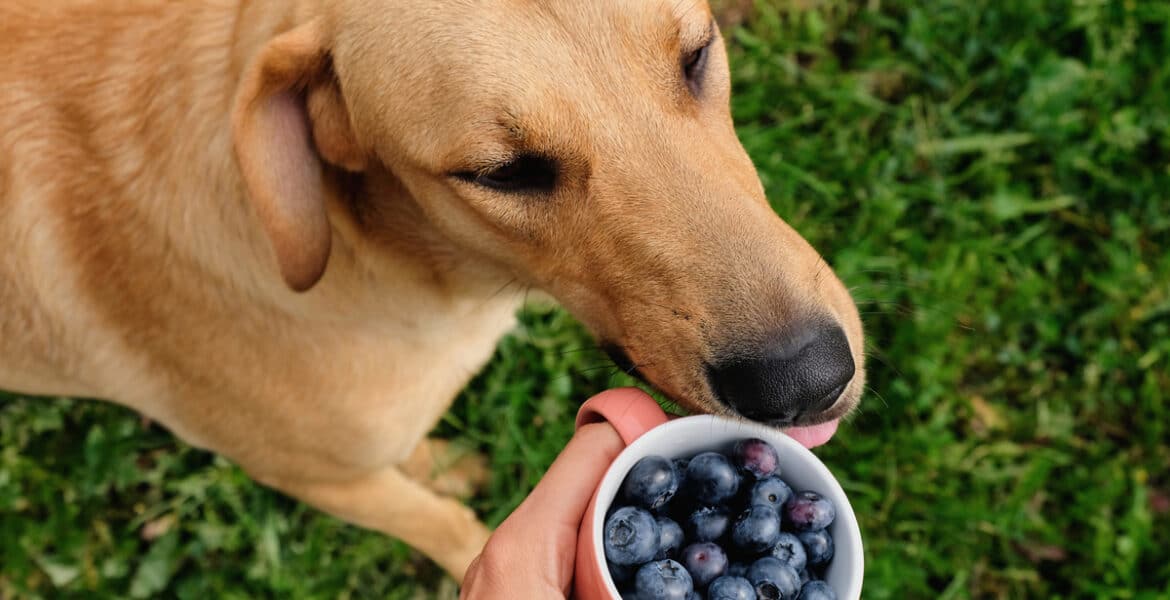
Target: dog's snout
798, 373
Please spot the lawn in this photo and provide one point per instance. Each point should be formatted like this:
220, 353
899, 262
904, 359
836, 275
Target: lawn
991, 178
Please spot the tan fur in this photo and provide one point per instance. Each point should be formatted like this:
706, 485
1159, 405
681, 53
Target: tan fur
171, 172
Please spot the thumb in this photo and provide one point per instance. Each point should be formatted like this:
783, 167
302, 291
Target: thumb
564, 492
538, 541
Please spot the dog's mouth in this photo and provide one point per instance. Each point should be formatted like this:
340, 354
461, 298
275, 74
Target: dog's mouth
622, 360
809, 435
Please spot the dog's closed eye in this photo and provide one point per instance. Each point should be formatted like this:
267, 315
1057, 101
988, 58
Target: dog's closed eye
527, 173
694, 64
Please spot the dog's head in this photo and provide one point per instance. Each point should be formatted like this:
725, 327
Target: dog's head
586, 147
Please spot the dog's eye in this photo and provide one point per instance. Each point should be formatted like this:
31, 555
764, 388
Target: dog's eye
694, 64
525, 174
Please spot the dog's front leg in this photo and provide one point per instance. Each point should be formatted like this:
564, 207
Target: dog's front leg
397, 505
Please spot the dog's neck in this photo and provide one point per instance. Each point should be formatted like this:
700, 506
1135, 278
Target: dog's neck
384, 241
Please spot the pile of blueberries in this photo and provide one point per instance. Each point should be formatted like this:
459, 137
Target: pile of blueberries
718, 528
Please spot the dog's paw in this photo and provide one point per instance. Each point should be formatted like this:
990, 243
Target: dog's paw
447, 468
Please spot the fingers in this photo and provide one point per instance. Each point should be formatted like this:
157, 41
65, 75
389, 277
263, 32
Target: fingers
531, 554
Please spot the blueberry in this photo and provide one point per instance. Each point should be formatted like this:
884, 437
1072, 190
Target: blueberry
651, 483
670, 538
807, 511
663, 580
818, 545
756, 529
631, 536
707, 524
737, 569
695, 596
805, 577
817, 590
766, 590
705, 561
711, 479
731, 588
756, 457
790, 551
622, 574
629, 595
783, 579
771, 491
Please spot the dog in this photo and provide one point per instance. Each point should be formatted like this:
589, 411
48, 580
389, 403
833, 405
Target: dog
284, 230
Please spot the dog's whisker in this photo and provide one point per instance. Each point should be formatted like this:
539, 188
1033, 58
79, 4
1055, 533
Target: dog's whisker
494, 295
878, 271
569, 351
874, 351
884, 360
880, 397
503, 287
885, 285
894, 307
820, 269
596, 368
671, 407
616, 372
636, 366
853, 416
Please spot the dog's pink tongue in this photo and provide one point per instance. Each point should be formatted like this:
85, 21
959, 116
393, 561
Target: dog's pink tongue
815, 435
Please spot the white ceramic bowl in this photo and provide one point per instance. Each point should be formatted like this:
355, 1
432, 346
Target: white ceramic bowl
689, 436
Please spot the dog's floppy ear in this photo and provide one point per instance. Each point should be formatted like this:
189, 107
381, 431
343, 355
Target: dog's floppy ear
289, 116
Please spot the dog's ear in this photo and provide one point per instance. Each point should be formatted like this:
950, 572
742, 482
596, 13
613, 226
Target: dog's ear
289, 116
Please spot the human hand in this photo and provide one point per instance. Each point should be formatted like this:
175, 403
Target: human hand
531, 554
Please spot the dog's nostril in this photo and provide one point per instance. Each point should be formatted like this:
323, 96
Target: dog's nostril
828, 400
802, 370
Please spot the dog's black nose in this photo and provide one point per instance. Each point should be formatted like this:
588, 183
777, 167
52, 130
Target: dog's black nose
802, 370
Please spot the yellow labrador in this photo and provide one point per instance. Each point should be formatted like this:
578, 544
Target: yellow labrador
282, 228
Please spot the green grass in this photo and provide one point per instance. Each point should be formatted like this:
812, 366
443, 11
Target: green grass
993, 180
